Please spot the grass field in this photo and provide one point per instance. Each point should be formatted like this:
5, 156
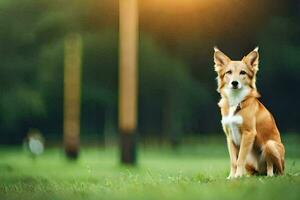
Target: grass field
196, 170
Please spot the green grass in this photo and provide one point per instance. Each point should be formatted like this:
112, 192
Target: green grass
194, 171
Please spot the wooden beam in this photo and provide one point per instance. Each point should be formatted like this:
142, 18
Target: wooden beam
128, 22
72, 94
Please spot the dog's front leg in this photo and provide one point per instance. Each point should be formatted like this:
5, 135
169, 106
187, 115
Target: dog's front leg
233, 152
245, 148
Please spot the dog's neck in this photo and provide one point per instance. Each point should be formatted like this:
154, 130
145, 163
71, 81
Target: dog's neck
235, 97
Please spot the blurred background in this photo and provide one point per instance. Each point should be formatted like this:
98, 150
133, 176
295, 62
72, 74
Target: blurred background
177, 88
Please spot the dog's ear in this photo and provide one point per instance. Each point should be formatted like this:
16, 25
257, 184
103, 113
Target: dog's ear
220, 59
252, 59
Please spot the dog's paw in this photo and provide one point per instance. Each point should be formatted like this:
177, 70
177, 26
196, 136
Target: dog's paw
230, 176
270, 174
240, 173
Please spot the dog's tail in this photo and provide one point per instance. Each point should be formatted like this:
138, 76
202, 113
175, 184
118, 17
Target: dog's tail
274, 152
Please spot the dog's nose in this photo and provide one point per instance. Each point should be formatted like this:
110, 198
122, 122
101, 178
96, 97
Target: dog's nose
234, 84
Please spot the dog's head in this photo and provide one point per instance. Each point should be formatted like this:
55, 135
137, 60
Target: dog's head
236, 75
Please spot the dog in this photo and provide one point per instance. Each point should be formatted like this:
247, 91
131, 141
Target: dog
253, 139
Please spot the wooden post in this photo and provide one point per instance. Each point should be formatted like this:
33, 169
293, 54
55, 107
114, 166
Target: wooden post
128, 19
72, 94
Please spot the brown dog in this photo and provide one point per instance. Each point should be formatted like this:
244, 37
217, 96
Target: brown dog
253, 139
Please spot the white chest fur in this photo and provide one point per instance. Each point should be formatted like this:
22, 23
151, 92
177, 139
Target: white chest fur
232, 123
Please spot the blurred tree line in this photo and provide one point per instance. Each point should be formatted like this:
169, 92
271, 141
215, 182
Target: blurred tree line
176, 79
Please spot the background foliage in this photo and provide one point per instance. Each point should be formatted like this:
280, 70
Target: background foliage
176, 80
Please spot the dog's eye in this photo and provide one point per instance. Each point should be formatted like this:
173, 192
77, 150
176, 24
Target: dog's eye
229, 72
242, 72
